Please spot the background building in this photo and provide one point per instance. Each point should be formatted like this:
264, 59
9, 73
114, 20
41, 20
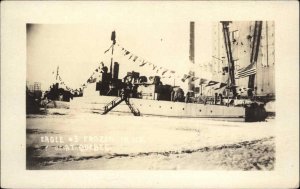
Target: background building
36, 86
241, 40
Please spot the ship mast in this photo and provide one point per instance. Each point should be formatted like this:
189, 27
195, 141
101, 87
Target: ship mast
191, 84
113, 38
229, 57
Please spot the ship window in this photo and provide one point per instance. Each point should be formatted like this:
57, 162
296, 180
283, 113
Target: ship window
210, 111
200, 110
182, 108
159, 106
170, 107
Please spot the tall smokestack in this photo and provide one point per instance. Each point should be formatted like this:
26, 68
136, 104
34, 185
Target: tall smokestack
191, 84
192, 42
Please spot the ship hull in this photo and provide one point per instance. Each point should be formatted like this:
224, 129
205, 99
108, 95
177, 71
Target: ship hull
170, 109
180, 109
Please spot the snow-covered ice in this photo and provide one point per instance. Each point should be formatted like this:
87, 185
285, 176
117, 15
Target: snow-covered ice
93, 141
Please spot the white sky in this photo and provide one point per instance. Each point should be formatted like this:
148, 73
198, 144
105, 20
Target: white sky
79, 48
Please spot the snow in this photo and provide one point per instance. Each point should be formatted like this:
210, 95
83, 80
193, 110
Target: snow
94, 141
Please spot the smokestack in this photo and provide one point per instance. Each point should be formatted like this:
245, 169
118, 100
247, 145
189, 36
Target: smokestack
116, 71
192, 42
191, 84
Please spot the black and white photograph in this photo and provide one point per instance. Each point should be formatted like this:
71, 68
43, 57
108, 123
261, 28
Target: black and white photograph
149, 94
207, 89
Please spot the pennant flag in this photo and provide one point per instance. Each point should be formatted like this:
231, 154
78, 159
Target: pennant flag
185, 77
154, 67
172, 72
195, 78
143, 63
134, 59
247, 71
211, 83
202, 81
164, 71
96, 70
127, 52
130, 57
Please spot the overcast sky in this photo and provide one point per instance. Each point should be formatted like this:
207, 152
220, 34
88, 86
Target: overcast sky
79, 48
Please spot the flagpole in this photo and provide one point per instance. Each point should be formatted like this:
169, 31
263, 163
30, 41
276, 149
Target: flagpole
57, 73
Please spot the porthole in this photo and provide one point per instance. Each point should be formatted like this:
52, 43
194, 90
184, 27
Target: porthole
182, 108
200, 110
159, 106
170, 107
210, 111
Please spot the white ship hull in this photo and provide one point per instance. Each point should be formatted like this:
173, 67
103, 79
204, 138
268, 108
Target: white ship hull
160, 108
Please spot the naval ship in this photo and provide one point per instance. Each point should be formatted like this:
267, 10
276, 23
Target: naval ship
242, 63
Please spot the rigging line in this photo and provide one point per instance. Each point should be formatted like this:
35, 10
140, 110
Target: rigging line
108, 49
152, 63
